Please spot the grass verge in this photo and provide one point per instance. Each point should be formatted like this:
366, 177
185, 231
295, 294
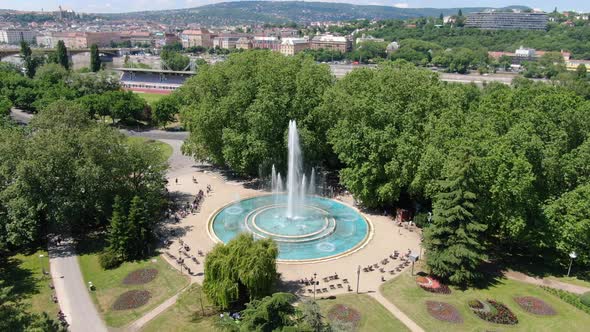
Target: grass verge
109, 286
24, 273
374, 317
165, 149
185, 315
406, 295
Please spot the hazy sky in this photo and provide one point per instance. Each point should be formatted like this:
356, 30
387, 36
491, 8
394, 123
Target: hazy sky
136, 5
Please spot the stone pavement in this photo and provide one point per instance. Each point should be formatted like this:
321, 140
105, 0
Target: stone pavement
514, 275
71, 291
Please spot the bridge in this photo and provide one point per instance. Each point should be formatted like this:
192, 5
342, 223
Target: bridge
4, 52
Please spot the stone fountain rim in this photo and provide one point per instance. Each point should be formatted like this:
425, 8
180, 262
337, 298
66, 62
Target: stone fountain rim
362, 244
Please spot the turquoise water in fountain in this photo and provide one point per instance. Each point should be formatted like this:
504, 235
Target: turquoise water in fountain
322, 227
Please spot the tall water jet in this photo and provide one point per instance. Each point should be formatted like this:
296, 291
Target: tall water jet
280, 187
273, 180
311, 190
302, 189
294, 171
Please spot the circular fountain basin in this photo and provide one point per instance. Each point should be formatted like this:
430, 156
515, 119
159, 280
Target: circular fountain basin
321, 229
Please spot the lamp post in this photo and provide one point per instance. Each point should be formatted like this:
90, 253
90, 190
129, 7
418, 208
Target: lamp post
572, 257
180, 259
41, 263
358, 278
314, 283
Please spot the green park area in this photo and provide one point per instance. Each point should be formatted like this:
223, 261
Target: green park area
163, 148
404, 292
371, 315
24, 273
150, 98
110, 285
186, 314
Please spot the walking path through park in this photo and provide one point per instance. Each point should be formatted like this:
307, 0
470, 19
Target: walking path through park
546, 282
139, 323
407, 321
70, 289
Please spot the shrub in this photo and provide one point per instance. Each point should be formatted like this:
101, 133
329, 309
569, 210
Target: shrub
109, 260
585, 299
568, 297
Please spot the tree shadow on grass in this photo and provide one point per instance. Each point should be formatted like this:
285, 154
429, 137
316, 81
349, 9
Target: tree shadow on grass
22, 281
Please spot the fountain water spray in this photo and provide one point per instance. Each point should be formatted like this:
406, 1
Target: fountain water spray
294, 198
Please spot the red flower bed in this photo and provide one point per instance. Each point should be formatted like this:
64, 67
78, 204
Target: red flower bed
432, 285
535, 306
499, 313
132, 299
141, 276
443, 311
345, 314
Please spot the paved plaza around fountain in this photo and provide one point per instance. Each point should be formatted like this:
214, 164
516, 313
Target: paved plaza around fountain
386, 236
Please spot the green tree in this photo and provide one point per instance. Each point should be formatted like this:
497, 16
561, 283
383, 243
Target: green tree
94, 58
30, 62
5, 106
271, 313
241, 270
119, 230
174, 61
312, 317
454, 241
62, 55
51, 74
581, 71
140, 229
569, 222
164, 110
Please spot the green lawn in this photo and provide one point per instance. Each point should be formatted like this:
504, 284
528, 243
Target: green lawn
164, 148
410, 298
150, 98
24, 274
374, 317
185, 315
109, 286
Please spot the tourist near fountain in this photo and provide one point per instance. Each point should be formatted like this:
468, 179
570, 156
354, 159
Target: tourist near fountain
305, 226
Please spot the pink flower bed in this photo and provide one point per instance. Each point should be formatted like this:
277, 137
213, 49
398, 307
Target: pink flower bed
432, 285
535, 306
444, 312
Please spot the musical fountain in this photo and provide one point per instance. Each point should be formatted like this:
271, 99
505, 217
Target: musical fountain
305, 226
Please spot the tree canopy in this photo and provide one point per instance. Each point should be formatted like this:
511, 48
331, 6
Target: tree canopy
244, 269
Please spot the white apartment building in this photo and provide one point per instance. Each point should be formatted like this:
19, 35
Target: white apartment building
15, 36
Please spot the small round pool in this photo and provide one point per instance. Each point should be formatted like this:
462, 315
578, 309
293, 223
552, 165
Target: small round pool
322, 229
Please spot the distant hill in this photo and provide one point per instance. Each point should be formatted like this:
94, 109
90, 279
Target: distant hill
276, 12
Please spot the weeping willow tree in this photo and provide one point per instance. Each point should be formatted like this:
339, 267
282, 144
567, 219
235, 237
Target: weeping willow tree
240, 271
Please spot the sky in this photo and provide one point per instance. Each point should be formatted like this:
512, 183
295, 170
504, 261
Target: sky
115, 6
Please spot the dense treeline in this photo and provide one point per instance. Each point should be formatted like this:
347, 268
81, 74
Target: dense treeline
399, 132
558, 37
62, 172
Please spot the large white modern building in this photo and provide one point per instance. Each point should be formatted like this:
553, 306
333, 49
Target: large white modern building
15, 36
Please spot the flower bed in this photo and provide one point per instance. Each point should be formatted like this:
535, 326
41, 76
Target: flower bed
494, 312
141, 276
432, 285
475, 304
444, 311
131, 300
345, 314
535, 306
